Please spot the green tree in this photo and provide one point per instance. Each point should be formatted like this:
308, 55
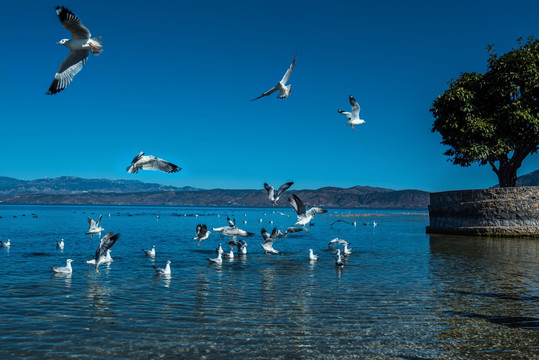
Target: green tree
493, 118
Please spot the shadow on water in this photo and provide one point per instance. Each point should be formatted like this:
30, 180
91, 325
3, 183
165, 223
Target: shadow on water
521, 322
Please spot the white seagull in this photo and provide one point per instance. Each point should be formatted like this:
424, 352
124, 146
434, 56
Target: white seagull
106, 243
94, 227
162, 272
60, 244
272, 196
150, 253
312, 256
347, 251
81, 41
64, 269
150, 162
304, 217
219, 250
269, 239
6, 244
338, 241
338, 259
218, 260
284, 90
202, 233
353, 117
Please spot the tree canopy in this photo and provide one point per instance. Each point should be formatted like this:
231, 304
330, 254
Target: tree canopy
493, 118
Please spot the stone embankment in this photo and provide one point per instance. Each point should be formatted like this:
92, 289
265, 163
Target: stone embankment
488, 212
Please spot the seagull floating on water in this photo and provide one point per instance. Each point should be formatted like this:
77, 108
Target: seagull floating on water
6, 244
150, 253
202, 233
353, 117
80, 43
219, 250
312, 256
150, 162
106, 243
218, 260
284, 90
347, 251
64, 269
94, 227
60, 244
274, 197
304, 216
162, 272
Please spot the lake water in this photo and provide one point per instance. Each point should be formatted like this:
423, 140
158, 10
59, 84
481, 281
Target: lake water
402, 294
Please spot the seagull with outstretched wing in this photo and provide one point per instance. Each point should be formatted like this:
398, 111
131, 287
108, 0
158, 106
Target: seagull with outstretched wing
274, 196
106, 243
80, 43
284, 90
150, 162
304, 216
353, 117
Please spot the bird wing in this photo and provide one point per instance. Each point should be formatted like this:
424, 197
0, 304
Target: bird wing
91, 222
72, 23
70, 67
199, 230
355, 106
297, 204
346, 113
137, 157
316, 210
99, 220
230, 222
284, 187
270, 190
161, 165
106, 243
269, 92
265, 235
289, 71
293, 229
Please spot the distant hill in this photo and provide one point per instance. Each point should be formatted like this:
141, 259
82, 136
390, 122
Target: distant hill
76, 185
531, 179
73, 190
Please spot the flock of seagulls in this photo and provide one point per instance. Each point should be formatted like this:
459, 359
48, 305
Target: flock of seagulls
81, 43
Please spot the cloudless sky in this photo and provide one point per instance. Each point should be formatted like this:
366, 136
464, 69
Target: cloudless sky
176, 77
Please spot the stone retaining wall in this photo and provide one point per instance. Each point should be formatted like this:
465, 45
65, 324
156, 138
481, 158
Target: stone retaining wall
493, 212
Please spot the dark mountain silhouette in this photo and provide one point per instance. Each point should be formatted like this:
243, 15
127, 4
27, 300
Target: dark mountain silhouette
73, 190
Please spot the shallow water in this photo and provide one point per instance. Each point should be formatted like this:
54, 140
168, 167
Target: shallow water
401, 294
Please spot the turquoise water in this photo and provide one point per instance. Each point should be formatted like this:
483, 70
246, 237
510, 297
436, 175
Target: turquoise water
402, 294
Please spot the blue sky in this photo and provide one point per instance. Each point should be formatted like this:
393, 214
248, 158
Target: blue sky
175, 80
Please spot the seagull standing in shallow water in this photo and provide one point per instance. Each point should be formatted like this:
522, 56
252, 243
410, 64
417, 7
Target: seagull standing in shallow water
353, 117
284, 90
150, 162
304, 216
274, 197
64, 269
79, 44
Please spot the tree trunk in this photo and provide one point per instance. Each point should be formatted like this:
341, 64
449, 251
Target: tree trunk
507, 175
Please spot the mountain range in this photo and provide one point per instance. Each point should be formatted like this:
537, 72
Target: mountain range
74, 190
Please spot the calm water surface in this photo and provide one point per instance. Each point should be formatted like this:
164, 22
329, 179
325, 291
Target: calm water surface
402, 294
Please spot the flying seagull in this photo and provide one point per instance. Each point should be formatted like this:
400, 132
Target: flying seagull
284, 90
304, 217
94, 227
150, 162
106, 259
272, 196
162, 272
202, 233
81, 41
106, 243
353, 117
269, 239
64, 269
